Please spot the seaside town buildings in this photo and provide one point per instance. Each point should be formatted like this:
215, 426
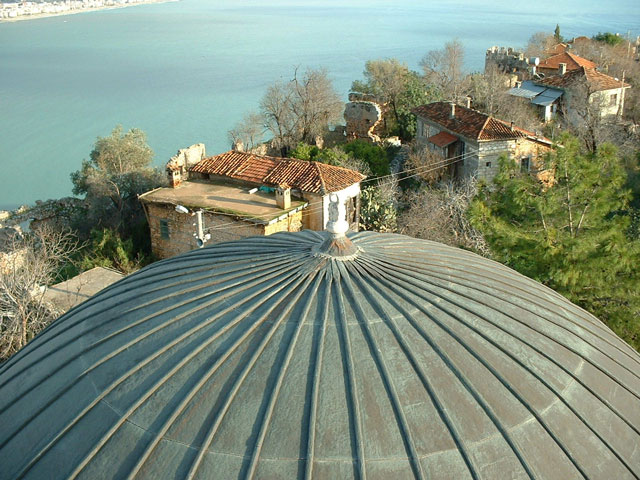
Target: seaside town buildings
25, 9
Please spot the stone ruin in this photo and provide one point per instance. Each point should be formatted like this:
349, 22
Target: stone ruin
178, 165
362, 115
55, 214
510, 60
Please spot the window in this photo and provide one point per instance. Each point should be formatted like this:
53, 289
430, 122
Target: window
164, 229
613, 99
525, 164
488, 164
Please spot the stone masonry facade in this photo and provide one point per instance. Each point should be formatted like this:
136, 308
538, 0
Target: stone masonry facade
177, 234
481, 158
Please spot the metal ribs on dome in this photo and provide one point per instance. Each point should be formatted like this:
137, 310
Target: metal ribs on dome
265, 358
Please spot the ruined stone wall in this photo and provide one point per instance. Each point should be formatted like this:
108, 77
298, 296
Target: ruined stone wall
508, 60
178, 165
362, 115
56, 214
10, 257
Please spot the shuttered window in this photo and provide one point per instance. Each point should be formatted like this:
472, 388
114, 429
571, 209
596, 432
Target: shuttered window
164, 229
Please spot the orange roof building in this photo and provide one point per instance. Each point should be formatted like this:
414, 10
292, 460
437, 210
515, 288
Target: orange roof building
562, 63
603, 92
238, 194
472, 142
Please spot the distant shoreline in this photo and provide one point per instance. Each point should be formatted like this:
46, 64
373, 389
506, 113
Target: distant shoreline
82, 10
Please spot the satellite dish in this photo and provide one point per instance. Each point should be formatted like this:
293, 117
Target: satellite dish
536, 61
200, 243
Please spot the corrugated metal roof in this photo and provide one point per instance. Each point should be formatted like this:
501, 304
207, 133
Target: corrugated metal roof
272, 358
443, 139
527, 90
547, 97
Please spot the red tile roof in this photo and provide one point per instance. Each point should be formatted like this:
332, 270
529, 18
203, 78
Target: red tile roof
597, 81
443, 139
470, 123
311, 177
572, 61
557, 48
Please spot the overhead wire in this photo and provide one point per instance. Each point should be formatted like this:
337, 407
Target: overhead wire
394, 177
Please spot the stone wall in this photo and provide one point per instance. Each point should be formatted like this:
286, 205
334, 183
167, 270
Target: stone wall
362, 115
481, 158
312, 216
223, 228
10, 258
536, 152
178, 165
56, 214
508, 60
489, 152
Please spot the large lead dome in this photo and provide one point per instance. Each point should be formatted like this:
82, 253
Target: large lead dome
283, 357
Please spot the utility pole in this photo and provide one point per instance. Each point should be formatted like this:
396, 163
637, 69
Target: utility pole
201, 237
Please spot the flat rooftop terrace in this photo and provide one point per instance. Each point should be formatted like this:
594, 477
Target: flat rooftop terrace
229, 199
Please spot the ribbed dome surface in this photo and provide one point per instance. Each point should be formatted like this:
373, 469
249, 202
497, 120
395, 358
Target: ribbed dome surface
271, 358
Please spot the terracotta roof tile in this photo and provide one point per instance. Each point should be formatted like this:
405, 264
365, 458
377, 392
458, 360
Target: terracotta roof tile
470, 123
312, 177
572, 61
597, 81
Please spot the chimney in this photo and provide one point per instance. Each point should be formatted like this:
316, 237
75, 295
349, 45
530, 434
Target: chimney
452, 113
562, 68
283, 196
468, 99
518, 84
512, 126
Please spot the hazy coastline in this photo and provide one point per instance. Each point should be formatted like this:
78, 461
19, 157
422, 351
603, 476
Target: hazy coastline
37, 16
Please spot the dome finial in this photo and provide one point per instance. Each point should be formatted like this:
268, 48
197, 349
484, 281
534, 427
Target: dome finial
337, 245
337, 224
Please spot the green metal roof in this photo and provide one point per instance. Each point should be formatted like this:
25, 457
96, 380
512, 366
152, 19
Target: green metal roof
287, 357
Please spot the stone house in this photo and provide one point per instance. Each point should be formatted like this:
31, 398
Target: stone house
242, 194
474, 141
570, 92
586, 87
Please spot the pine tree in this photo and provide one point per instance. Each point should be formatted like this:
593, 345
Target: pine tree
571, 236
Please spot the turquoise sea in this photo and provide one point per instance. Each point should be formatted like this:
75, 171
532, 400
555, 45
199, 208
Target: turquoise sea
187, 71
